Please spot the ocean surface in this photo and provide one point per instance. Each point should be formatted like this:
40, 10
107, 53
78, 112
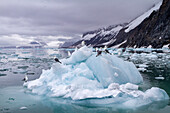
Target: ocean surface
16, 63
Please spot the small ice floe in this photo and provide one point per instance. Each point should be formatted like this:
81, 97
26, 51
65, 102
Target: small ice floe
159, 78
142, 69
143, 66
23, 108
115, 74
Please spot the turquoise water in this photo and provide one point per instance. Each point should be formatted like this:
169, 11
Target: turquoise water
16, 63
13, 98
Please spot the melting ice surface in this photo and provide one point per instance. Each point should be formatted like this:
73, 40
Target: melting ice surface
83, 76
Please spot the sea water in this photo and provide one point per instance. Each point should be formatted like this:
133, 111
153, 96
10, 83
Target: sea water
16, 63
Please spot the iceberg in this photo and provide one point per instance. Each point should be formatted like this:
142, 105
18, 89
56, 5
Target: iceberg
83, 76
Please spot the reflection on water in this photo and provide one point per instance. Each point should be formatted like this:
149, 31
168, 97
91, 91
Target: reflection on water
16, 63
14, 98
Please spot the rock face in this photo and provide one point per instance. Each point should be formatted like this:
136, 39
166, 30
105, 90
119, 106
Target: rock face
101, 37
154, 30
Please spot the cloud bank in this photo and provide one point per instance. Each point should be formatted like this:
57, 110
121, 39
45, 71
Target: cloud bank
65, 17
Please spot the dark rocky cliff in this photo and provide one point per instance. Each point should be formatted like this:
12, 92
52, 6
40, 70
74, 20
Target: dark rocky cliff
154, 30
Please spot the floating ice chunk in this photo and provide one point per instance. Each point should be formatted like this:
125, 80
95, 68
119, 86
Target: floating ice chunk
152, 56
166, 46
142, 69
156, 94
150, 46
115, 74
144, 98
160, 78
143, 66
23, 108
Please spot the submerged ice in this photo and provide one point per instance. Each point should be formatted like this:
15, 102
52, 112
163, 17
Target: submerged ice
85, 76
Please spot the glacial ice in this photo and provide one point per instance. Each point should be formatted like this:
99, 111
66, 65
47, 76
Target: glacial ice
84, 76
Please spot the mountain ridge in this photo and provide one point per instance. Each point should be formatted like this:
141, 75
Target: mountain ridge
151, 30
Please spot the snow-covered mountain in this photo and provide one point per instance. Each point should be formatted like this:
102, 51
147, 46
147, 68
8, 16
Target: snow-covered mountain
102, 36
24, 41
152, 25
33, 44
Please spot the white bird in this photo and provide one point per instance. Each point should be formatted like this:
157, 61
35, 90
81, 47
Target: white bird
25, 78
105, 47
83, 43
69, 54
97, 49
76, 49
101, 49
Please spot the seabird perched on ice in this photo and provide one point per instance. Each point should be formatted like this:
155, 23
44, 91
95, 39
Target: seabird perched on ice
56, 59
76, 49
98, 53
106, 51
128, 58
69, 54
25, 78
105, 47
96, 49
123, 49
83, 43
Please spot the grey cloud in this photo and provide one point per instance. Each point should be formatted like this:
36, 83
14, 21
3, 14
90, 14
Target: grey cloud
66, 17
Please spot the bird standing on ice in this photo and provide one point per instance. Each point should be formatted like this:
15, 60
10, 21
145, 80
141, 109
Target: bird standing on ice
69, 54
83, 43
56, 59
98, 53
106, 51
25, 78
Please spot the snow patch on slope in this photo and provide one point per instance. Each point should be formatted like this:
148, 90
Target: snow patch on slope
114, 30
89, 36
139, 20
103, 32
117, 46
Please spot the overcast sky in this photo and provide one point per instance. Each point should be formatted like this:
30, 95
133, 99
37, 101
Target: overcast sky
65, 17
